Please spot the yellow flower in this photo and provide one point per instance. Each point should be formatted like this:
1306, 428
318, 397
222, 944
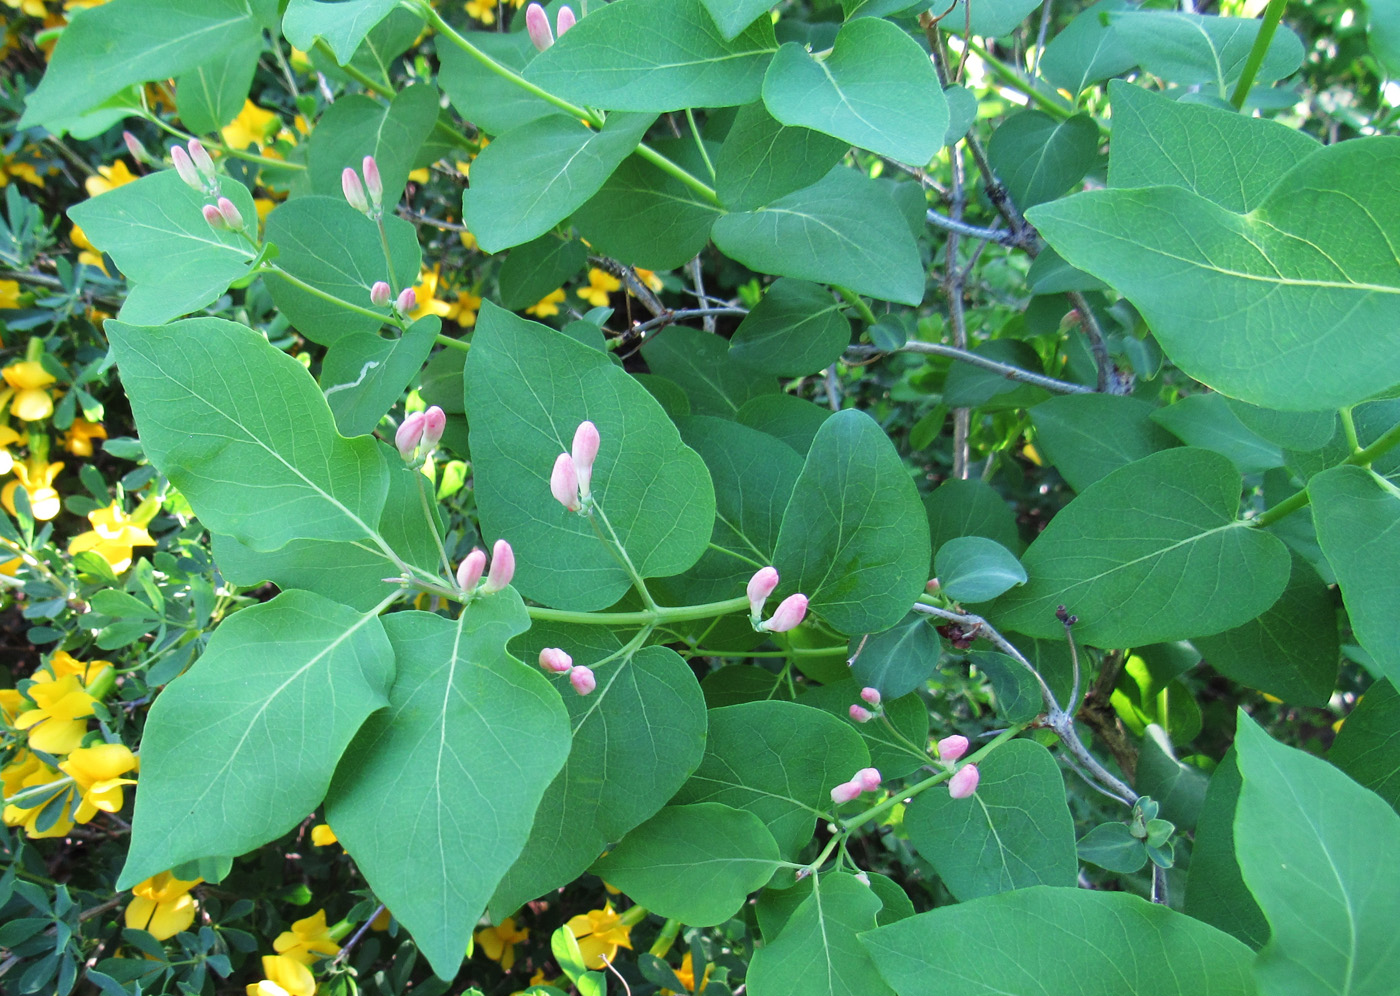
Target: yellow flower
686, 973
307, 940
547, 305
426, 292
420, 175
9, 568
109, 178
323, 836
59, 717
381, 921
498, 943
483, 10
29, 380
36, 477
252, 127
29, 772
463, 312
162, 906
34, 8
11, 166
95, 771
87, 251
600, 284
9, 295
468, 240
600, 933
62, 664
111, 537
78, 439
8, 437
650, 279
82, 4
285, 977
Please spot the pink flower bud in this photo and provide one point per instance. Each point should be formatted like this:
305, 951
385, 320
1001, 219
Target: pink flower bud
871, 696
215, 219
202, 160
868, 779
861, 715
554, 659
845, 792
585, 451
230, 213
373, 182
964, 783
410, 434
379, 294
761, 585
434, 422
566, 20
862, 878
563, 482
407, 301
537, 27
502, 567
134, 146
354, 190
185, 167
582, 679
932, 585
470, 570
789, 613
952, 748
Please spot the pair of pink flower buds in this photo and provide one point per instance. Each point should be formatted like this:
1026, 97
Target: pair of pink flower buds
556, 661
537, 25
419, 434
864, 780
196, 168
790, 611
965, 779
572, 478
473, 565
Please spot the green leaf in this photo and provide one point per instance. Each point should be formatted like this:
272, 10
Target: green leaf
1194, 49
1039, 157
1292, 651
976, 569
797, 329
364, 375
635, 741
645, 217
1151, 553
1307, 837
817, 949
240, 748
490, 101
889, 749
1112, 846
1014, 832
854, 538
537, 268
155, 232
341, 25
219, 408
534, 176
899, 660
108, 48
971, 508
971, 386
779, 761
211, 94
1088, 436
762, 159
1367, 748
793, 420
733, 16
876, 89
1014, 689
696, 863
844, 229
655, 55
1207, 421
429, 800
1356, 512
527, 389
357, 126
1229, 158
701, 364
1215, 892
324, 242
989, 18
1383, 32
1088, 50
1064, 941
1249, 304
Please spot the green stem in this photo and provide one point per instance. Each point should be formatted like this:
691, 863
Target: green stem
1349, 427
1009, 76
379, 317
661, 614
359, 76
857, 302
633, 916
432, 526
451, 343
1272, 15
596, 514
669, 930
689, 179
1361, 458
227, 150
699, 142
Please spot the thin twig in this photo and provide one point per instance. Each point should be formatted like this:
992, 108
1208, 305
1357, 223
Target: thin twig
1094, 333
1045, 10
959, 227
628, 276
680, 314
696, 272
1003, 369
833, 389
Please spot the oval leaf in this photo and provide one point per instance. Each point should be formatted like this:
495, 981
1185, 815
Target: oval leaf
975, 569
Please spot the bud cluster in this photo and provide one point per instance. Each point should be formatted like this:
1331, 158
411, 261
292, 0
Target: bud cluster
373, 185
571, 481
871, 697
537, 25
964, 780
473, 564
790, 611
196, 168
864, 780
556, 661
419, 433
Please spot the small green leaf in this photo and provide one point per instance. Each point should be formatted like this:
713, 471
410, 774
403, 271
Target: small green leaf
817, 946
763, 159
976, 569
1088, 436
798, 328
1112, 846
1366, 748
715, 380
1194, 49
341, 25
1040, 158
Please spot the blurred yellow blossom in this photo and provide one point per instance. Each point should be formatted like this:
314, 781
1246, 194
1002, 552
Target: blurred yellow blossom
600, 933
9, 568
251, 127
9, 295
483, 10
58, 720
109, 178
87, 252
8, 438
78, 439
464, 310
29, 772
686, 973
308, 940
112, 537
62, 664
36, 477
323, 836
498, 943
29, 381
650, 279
162, 906
468, 240
547, 305
97, 771
601, 283
12, 166
426, 294
381, 920
420, 175
285, 977
34, 8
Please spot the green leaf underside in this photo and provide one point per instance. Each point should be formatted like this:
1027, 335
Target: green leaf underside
1014, 832
211, 95
1040, 158
1207, 421
976, 569
1087, 50
645, 217
1201, 49
797, 329
364, 375
242, 747
1294, 305
733, 16
971, 508
900, 659
762, 159
535, 269
490, 101
1088, 436
1368, 746
527, 389
817, 949
342, 25
1149, 554
1066, 940
242, 430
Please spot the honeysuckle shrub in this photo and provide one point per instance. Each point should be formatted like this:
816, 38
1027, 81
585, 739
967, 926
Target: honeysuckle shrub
942, 463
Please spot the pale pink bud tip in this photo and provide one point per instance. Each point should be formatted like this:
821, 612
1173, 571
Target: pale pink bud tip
952, 748
407, 301
554, 659
868, 779
566, 20
202, 160
185, 167
790, 612
434, 422
379, 294
563, 482
212, 215
502, 567
231, 213
871, 696
845, 792
964, 783
537, 26
410, 434
761, 585
584, 452
373, 182
582, 679
134, 146
470, 570
354, 190
932, 585
861, 715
